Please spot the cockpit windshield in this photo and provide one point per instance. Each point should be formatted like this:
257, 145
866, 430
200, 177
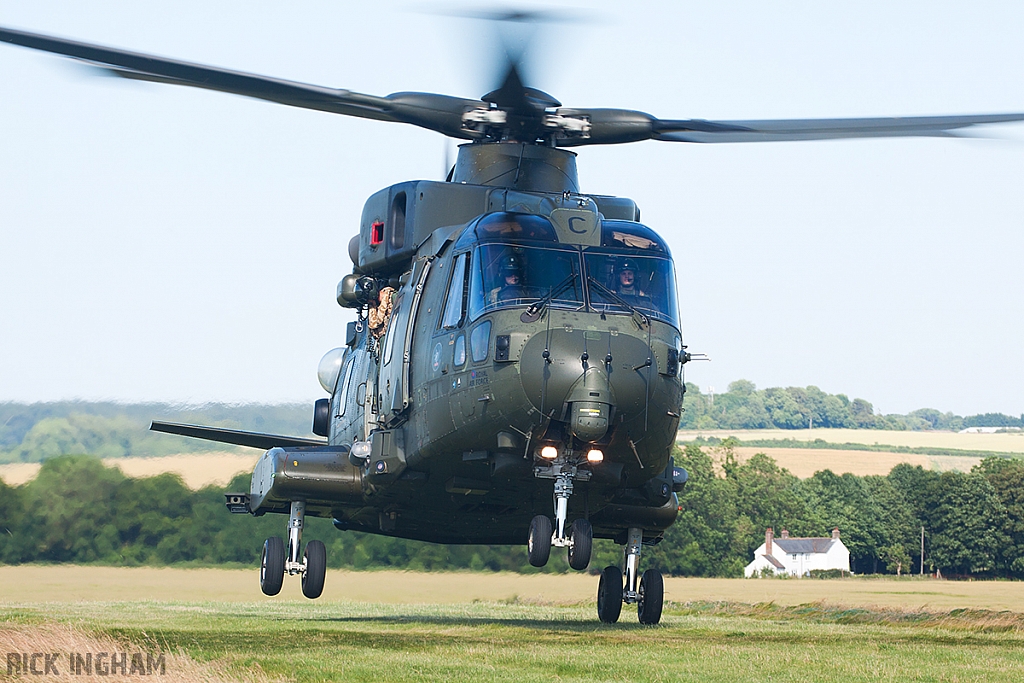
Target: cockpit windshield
514, 274
517, 261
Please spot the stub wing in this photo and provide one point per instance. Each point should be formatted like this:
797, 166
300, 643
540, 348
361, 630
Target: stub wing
235, 436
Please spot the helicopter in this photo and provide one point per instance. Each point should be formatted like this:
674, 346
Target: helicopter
515, 374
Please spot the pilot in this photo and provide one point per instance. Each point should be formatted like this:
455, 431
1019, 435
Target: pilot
510, 281
626, 284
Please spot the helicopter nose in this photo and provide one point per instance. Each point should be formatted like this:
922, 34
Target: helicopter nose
587, 378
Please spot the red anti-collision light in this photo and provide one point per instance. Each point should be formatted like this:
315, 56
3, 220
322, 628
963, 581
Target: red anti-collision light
376, 233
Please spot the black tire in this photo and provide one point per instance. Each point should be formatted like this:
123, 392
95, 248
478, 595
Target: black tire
316, 568
609, 595
272, 566
538, 547
582, 536
651, 596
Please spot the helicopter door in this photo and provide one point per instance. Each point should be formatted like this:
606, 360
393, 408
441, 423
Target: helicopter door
393, 381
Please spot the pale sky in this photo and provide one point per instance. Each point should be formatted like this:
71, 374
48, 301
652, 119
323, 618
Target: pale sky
165, 243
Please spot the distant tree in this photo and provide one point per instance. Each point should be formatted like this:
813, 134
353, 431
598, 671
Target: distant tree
68, 513
766, 495
966, 538
12, 513
993, 420
896, 558
897, 527
784, 410
742, 387
845, 501
701, 542
1007, 479
862, 414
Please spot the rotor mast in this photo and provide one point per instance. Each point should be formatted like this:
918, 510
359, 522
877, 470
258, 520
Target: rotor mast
517, 166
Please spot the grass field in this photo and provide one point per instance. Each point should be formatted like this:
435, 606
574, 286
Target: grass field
392, 626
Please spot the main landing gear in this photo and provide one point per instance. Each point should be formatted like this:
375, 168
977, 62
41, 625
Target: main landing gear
580, 537
648, 591
276, 560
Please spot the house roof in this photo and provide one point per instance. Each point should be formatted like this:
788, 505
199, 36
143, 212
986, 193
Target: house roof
804, 545
775, 563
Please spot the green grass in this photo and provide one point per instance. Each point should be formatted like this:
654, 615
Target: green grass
305, 641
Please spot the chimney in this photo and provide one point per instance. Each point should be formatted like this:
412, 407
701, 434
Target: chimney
835, 534
768, 541
785, 534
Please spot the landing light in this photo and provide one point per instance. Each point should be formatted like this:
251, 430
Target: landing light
595, 456
549, 452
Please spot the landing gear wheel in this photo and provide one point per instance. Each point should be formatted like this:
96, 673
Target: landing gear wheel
650, 598
316, 568
538, 547
272, 566
609, 595
582, 536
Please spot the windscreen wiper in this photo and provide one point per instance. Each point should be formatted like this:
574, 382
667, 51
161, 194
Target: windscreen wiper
532, 314
619, 300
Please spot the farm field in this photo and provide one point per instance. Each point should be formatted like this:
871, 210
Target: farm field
204, 469
1011, 442
804, 462
196, 469
401, 635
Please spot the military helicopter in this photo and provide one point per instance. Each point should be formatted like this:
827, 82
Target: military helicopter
515, 372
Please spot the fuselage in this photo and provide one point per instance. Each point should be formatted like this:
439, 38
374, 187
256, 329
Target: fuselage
519, 323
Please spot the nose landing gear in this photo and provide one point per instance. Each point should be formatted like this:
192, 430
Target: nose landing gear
275, 561
580, 538
647, 591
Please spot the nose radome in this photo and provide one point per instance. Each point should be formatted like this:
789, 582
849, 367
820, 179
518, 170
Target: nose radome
590, 401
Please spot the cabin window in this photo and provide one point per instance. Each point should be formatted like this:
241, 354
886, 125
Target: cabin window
460, 350
480, 341
393, 329
618, 281
505, 275
344, 387
455, 301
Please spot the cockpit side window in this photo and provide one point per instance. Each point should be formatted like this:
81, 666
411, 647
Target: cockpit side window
455, 301
505, 275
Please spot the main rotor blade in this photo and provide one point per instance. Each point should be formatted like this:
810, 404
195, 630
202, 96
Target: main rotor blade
697, 130
440, 113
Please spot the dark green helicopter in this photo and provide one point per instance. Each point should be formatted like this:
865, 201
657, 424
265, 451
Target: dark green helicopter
515, 371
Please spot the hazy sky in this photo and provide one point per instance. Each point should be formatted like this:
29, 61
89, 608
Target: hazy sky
162, 243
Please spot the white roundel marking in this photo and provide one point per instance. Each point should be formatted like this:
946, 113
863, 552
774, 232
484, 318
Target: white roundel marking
435, 358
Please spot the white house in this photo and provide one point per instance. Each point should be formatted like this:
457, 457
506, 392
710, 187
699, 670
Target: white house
798, 556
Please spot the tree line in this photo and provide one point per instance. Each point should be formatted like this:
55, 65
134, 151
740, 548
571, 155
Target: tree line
33, 432
78, 510
744, 406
